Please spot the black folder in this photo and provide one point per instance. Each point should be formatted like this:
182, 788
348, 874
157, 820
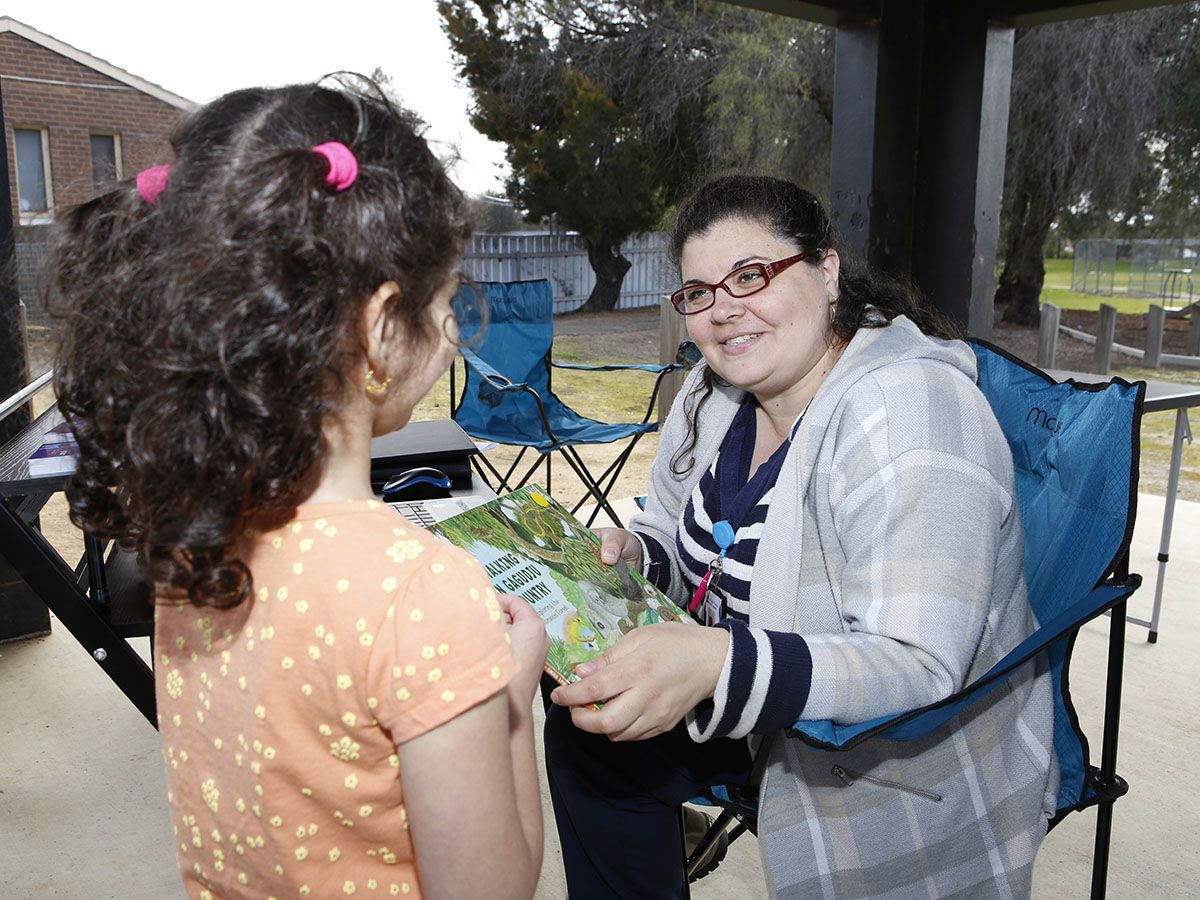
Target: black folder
439, 444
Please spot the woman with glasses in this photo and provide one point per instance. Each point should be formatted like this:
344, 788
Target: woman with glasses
833, 496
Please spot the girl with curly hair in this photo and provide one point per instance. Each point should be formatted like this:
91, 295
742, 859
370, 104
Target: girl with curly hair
345, 704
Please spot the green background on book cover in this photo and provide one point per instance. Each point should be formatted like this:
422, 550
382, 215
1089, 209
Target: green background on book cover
533, 547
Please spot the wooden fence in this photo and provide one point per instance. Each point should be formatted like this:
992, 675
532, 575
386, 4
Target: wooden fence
1104, 341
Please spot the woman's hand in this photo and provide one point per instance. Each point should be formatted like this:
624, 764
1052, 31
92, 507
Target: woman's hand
529, 644
617, 543
648, 680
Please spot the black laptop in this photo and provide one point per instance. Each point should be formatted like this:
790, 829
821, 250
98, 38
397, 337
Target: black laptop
439, 444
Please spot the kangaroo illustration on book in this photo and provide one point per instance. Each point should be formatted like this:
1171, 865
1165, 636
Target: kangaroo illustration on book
626, 611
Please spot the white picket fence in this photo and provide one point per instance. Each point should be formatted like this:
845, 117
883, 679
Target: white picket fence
499, 257
562, 259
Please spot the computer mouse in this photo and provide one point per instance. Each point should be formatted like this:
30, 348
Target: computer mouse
420, 483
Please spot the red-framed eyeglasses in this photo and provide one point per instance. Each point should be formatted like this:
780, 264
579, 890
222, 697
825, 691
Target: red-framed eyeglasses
741, 282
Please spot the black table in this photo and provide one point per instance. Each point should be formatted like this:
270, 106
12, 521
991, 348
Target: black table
100, 604
1161, 396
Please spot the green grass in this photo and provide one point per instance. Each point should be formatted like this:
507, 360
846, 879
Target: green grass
1058, 273
1068, 299
1056, 289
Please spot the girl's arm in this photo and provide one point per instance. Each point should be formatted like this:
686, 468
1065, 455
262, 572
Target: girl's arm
471, 785
463, 784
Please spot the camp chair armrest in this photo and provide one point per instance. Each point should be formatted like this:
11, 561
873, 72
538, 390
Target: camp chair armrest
918, 723
492, 376
506, 385
642, 367
662, 371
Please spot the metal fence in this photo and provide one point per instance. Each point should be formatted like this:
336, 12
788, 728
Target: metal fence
1164, 269
561, 258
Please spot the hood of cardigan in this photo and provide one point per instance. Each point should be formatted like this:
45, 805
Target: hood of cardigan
872, 349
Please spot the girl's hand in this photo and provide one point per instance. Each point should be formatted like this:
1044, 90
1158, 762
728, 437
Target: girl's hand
648, 680
617, 543
529, 644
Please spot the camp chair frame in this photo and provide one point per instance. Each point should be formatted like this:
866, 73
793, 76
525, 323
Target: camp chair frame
1100, 787
550, 440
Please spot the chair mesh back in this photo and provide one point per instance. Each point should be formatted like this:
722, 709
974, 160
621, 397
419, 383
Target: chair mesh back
518, 336
1075, 454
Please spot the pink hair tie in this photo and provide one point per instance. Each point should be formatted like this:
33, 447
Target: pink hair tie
152, 182
343, 166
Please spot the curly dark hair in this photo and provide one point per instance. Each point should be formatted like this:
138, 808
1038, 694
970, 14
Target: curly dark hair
866, 299
208, 336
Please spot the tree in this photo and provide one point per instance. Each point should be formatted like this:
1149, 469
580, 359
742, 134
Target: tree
492, 215
601, 104
771, 100
1086, 97
1175, 146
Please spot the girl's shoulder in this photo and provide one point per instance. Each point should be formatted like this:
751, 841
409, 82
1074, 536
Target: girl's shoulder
361, 539
343, 522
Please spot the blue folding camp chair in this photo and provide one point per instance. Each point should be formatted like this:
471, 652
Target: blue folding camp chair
1075, 456
507, 398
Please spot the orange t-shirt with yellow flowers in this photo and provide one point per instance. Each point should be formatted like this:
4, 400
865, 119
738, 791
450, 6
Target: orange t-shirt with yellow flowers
280, 718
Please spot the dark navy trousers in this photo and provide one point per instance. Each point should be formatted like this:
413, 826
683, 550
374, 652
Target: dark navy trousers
616, 805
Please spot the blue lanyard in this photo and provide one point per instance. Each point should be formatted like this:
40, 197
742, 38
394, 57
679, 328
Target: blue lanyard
724, 536
737, 492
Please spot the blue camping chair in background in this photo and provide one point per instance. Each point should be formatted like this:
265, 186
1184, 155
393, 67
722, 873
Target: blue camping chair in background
507, 398
1075, 455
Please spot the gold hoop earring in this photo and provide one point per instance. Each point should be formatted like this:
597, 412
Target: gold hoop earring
374, 386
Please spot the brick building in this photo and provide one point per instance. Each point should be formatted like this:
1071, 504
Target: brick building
87, 120
73, 123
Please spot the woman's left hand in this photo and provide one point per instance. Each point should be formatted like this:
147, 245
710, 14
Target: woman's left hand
647, 681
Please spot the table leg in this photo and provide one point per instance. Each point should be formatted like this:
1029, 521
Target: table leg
53, 581
1182, 428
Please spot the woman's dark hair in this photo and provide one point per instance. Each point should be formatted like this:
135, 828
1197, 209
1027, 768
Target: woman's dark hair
866, 299
207, 336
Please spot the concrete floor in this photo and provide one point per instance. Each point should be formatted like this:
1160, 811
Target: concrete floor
83, 810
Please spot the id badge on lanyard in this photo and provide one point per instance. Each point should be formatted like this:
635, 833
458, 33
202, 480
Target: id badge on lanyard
723, 535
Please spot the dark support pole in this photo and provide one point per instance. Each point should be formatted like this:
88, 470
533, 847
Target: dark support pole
22, 614
920, 122
14, 369
1108, 753
875, 107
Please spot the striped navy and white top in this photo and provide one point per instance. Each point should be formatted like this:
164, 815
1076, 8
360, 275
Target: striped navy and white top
769, 672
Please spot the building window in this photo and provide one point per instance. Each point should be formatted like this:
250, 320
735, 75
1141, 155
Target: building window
106, 160
34, 193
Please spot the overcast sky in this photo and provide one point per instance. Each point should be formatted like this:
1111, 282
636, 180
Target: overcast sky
202, 50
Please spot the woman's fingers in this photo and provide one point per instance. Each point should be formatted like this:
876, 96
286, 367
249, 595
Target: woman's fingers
618, 543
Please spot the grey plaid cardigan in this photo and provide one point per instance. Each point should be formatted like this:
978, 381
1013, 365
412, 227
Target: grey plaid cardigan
893, 544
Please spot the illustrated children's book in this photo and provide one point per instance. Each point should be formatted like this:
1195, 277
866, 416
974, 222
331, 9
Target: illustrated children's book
532, 547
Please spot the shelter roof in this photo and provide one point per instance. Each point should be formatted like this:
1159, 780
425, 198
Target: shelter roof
1019, 13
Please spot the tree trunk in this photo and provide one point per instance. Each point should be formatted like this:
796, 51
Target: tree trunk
1020, 286
610, 268
1005, 284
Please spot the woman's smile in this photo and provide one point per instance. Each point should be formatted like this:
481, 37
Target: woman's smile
740, 343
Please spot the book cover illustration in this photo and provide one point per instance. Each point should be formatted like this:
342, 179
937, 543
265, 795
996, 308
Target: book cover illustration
531, 546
